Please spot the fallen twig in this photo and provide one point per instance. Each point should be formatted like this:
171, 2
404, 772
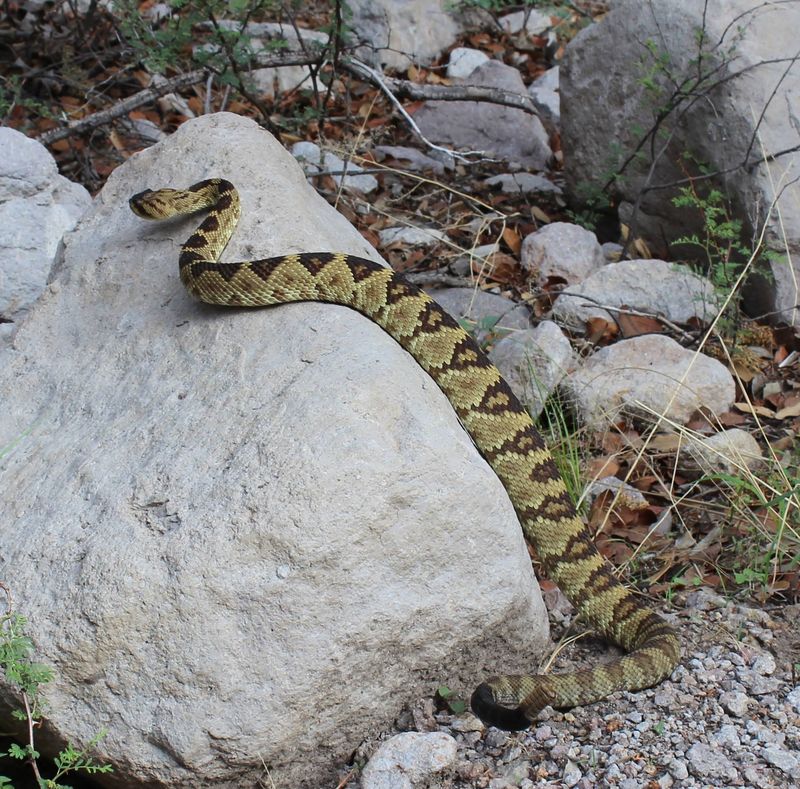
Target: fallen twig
171, 85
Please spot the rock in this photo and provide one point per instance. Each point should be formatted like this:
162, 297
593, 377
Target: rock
550, 80
463, 61
410, 236
562, 250
647, 376
786, 762
530, 20
243, 515
526, 183
533, 361
483, 313
408, 760
37, 207
612, 252
263, 35
476, 259
735, 702
730, 451
626, 494
572, 774
411, 158
678, 769
727, 736
653, 286
794, 699
708, 762
545, 95
502, 132
399, 34
315, 160
605, 103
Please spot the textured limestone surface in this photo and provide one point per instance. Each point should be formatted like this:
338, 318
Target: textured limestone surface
240, 534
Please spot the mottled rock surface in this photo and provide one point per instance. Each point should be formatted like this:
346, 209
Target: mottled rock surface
261, 526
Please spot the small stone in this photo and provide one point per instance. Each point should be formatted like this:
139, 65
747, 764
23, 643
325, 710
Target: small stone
495, 738
709, 762
572, 774
794, 699
678, 769
410, 236
562, 250
524, 183
727, 736
764, 663
463, 61
533, 361
467, 723
783, 760
728, 451
532, 21
408, 759
735, 703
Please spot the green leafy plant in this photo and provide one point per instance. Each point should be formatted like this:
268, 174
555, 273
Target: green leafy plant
719, 244
455, 705
28, 677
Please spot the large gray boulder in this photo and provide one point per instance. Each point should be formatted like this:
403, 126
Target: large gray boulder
503, 132
606, 106
240, 534
37, 206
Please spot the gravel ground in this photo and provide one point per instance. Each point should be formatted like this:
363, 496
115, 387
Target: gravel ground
728, 717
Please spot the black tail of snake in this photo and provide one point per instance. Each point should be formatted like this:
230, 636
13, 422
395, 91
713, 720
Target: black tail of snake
498, 424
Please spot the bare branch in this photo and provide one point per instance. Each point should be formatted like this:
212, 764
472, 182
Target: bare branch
182, 81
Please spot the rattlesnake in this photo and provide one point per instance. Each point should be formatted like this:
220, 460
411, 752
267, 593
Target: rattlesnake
498, 424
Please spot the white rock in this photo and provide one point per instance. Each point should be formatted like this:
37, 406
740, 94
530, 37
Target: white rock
411, 236
397, 34
37, 207
730, 451
548, 104
533, 361
562, 250
549, 80
784, 760
529, 20
793, 697
630, 497
463, 61
413, 159
242, 514
315, 160
653, 286
500, 132
407, 760
646, 376
513, 183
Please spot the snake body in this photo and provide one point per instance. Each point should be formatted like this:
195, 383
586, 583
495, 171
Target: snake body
498, 424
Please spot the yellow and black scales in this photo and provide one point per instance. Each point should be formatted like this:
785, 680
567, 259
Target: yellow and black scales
498, 424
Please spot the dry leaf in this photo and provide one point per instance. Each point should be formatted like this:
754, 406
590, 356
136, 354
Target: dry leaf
758, 410
598, 329
511, 237
634, 325
785, 413
537, 213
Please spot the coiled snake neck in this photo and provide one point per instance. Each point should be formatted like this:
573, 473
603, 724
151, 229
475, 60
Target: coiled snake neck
498, 424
